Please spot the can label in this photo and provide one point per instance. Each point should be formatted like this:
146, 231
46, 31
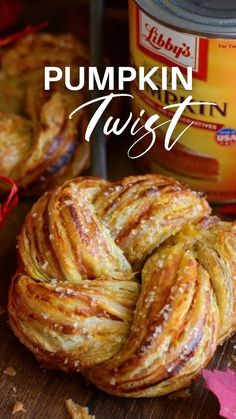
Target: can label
205, 156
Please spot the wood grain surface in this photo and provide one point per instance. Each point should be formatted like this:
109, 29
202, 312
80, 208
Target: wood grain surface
43, 392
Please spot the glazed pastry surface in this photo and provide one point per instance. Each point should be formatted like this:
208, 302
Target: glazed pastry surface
132, 283
39, 145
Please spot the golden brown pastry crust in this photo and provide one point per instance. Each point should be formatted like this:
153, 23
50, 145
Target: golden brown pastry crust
186, 307
75, 301
39, 145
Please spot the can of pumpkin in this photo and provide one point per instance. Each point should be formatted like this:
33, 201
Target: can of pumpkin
202, 35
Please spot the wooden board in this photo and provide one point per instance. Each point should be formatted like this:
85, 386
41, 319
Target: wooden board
43, 393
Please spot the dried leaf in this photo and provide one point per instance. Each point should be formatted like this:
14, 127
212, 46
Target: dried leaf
223, 385
76, 411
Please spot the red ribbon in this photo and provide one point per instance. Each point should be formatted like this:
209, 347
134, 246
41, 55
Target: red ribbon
11, 201
29, 29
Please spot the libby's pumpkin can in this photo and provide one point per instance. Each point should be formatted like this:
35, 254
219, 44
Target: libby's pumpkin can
201, 35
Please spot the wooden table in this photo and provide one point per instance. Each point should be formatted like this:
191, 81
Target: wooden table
43, 393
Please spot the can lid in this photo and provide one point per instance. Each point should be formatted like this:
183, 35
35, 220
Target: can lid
209, 17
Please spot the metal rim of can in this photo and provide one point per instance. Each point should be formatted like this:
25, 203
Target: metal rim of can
202, 17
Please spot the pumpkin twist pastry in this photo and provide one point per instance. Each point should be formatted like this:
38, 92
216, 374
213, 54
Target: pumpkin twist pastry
39, 145
75, 300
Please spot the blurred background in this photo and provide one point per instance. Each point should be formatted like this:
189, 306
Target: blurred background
73, 16
70, 16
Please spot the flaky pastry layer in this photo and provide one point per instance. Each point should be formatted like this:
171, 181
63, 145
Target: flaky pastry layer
39, 145
76, 301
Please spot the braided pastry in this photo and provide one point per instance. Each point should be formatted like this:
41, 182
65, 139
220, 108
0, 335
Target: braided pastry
75, 300
39, 145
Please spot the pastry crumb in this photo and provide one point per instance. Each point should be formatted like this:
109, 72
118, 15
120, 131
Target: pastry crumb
184, 394
18, 407
10, 371
14, 391
76, 411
